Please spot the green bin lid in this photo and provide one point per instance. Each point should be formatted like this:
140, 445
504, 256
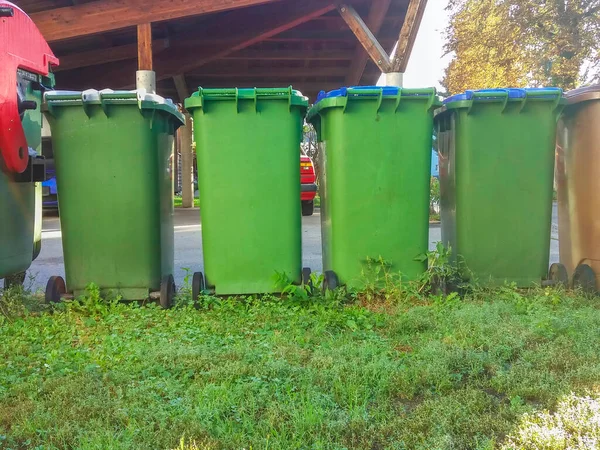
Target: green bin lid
292, 96
105, 97
340, 97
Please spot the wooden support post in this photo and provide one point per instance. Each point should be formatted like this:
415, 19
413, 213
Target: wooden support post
408, 34
375, 20
181, 87
365, 37
187, 164
176, 165
144, 41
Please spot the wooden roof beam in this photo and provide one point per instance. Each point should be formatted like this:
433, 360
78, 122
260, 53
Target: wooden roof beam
105, 55
181, 87
365, 37
375, 20
105, 15
254, 33
408, 34
270, 72
289, 55
182, 57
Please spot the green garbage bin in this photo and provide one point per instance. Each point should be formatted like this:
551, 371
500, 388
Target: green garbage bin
496, 152
248, 152
375, 162
112, 152
21, 195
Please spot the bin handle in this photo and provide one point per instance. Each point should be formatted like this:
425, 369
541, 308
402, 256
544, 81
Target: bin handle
550, 95
431, 94
499, 94
368, 93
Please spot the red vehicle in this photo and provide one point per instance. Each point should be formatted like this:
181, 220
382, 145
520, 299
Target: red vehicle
308, 185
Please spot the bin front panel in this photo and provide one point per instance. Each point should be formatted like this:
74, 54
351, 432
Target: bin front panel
376, 162
497, 163
116, 204
578, 182
249, 182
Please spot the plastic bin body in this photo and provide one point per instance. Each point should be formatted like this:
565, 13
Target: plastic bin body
375, 177
20, 202
248, 148
578, 180
112, 153
496, 151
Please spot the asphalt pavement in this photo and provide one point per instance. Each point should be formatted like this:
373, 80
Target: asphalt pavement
188, 246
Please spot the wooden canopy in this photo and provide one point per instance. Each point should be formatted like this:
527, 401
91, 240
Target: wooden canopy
310, 44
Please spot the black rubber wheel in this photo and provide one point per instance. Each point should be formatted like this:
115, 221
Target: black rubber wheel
584, 278
167, 292
198, 285
558, 275
330, 281
308, 208
55, 289
306, 272
15, 280
306, 279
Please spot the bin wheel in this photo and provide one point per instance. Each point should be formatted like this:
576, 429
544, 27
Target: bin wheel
198, 285
330, 281
558, 275
584, 278
308, 208
167, 292
306, 279
17, 279
55, 289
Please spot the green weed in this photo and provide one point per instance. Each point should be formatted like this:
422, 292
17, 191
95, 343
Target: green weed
485, 370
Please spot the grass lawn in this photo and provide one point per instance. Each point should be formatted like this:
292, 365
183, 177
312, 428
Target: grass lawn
354, 372
178, 202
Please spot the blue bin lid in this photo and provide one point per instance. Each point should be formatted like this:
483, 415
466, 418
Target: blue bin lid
339, 97
513, 93
368, 92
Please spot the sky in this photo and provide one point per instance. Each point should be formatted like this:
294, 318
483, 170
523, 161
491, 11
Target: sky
427, 63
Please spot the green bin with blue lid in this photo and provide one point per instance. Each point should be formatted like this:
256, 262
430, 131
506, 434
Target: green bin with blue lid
375, 164
248, 153
113, 154
496, 152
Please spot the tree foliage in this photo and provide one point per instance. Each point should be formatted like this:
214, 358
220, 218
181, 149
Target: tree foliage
499, 43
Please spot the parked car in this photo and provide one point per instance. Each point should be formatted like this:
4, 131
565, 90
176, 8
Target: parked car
308, 185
